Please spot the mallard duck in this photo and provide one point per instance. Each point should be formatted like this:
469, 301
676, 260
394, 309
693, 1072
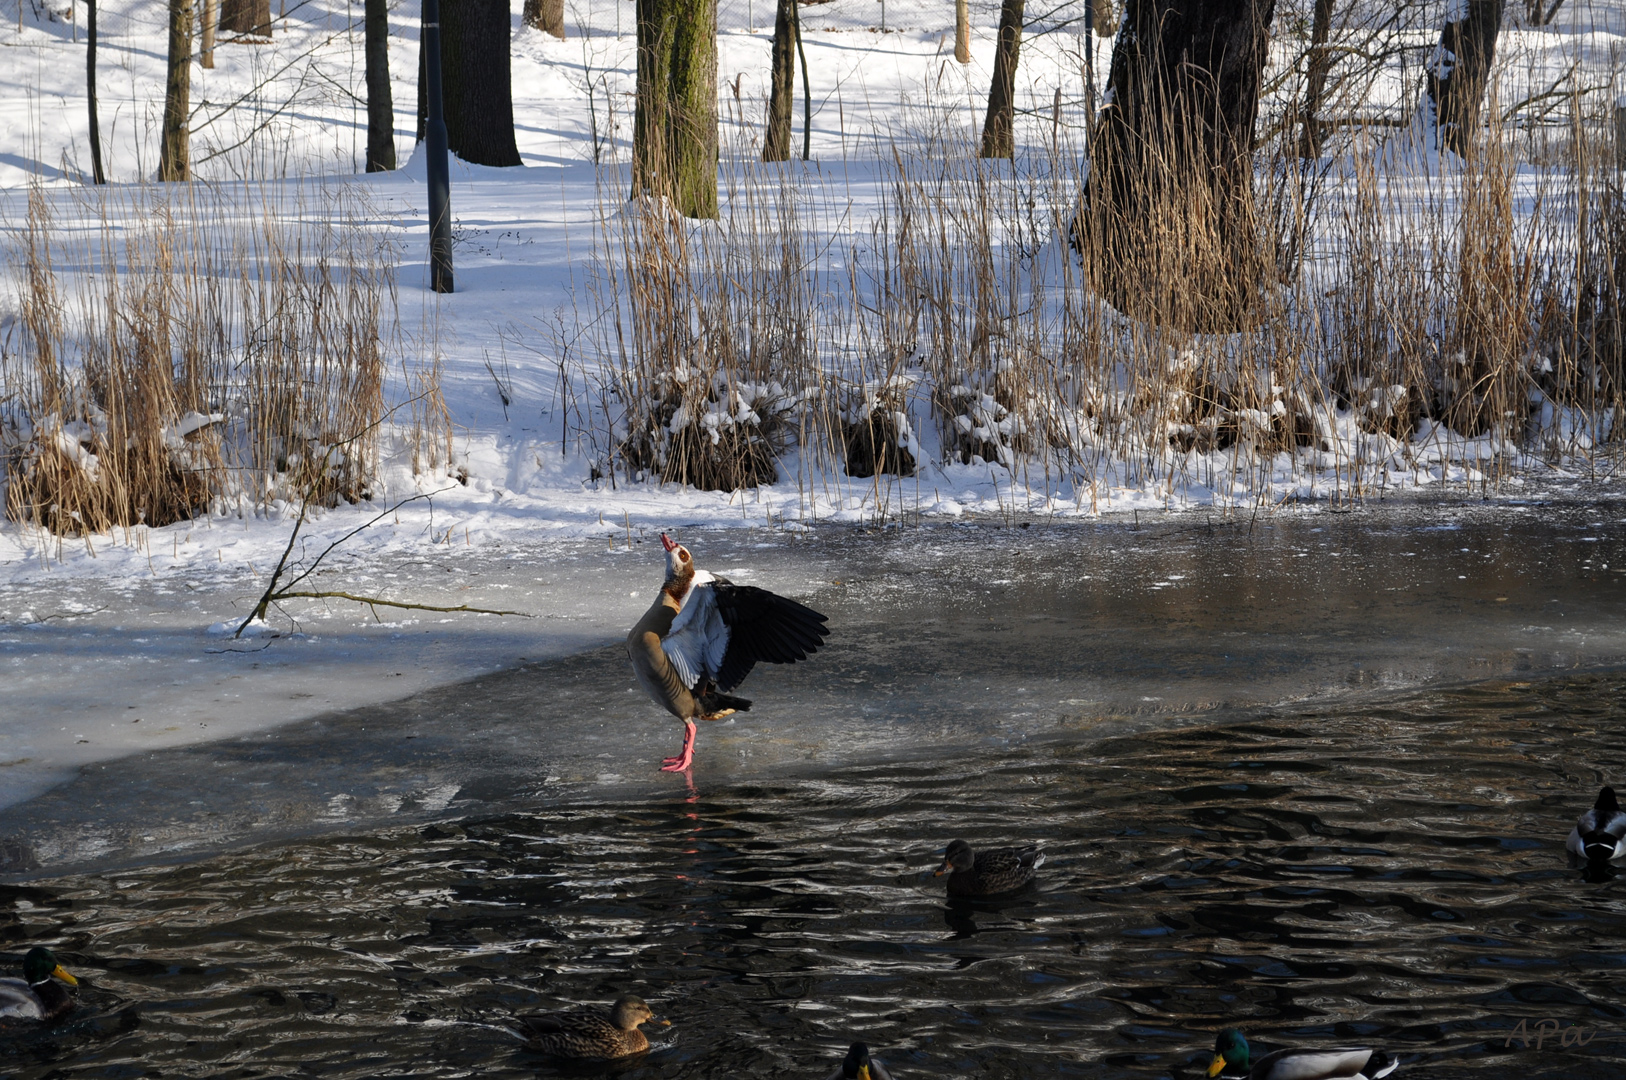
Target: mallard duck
989, 873
860, 1065
1600, 834
583, 1033
36, 996
702, 637
1231, 1057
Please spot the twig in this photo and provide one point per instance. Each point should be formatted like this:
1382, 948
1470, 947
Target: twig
372, 601
272, 595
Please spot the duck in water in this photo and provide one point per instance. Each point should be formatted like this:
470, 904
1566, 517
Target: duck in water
586, 1035
989, 873
37, 995
1233, 1058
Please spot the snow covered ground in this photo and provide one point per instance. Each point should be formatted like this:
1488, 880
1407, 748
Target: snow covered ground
105, 642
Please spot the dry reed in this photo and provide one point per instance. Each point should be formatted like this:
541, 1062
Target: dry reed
186, 348
1408, 320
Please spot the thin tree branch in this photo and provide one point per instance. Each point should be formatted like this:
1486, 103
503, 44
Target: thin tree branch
371, 601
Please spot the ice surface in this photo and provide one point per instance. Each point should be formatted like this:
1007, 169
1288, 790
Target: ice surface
945, 638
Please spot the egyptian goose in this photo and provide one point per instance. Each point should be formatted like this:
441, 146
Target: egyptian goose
1232, 1058
1600, 834
703, 635
586, 1035
990, 873
36, 996
860, 1066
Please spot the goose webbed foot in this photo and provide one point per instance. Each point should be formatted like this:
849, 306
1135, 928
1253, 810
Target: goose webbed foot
682, 762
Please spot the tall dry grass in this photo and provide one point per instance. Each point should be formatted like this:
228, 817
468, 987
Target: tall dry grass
187, 348
1408, 319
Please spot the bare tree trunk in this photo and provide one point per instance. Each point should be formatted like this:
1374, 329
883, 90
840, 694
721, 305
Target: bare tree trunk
962, 31
1319, 61
246, 18
998, 137
546, 15
1167, 227
380, 103
674, 133
782, 92
211, 14
1460, 70
475, 82
96, 173
173, 161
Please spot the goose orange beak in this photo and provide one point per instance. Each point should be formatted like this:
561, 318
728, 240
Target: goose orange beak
1216, 1066
668, 543
61, 973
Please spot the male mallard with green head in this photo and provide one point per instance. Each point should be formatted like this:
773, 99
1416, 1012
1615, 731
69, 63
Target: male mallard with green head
858, 1065
588, 1035
1599, 836
1232, 1058
37, 995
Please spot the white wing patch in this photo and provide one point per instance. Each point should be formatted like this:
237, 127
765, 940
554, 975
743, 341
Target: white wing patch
698, 639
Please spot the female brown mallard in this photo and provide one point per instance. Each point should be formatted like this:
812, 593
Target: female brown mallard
990, 873
36, 996
585, 1034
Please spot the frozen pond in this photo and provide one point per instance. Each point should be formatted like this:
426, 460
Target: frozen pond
948, 641
1310, 774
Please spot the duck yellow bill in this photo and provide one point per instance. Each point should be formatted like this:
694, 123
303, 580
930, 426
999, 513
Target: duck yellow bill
863, 1072
941, 870
61, 973
1217, 1065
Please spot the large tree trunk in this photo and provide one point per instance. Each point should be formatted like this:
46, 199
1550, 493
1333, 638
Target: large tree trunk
546, 15
380, 104
1319, 66
173, 161
210, 17
1460, 70
1167, 227
246, 18
998, 137
782, 93
674, 132
96, 173
962, 31
477, 92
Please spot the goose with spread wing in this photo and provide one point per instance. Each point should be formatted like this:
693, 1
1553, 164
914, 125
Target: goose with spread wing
704, 634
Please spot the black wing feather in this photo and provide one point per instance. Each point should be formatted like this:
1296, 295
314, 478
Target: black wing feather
765, 628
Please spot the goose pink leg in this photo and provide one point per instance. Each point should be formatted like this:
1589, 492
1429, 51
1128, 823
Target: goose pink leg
682, 762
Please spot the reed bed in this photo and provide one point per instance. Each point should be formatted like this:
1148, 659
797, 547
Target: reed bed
184, 349
928, 316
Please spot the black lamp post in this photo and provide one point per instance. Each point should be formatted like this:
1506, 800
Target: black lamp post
440, 184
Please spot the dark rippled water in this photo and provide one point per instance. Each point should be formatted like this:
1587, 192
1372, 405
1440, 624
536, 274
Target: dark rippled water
1390, 876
